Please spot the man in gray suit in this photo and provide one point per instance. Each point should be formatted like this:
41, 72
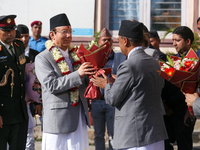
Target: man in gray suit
136, 94
65, 110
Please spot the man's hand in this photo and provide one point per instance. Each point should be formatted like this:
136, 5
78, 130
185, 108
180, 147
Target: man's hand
112, 78
189, 119
86, 69
1, 122
190, 98
38, 109
100, 82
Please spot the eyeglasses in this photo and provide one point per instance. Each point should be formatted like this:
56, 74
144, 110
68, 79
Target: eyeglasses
65, 32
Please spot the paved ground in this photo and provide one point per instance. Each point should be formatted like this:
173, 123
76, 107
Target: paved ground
38, 136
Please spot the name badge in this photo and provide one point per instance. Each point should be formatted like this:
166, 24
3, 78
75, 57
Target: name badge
3, 59
22, 59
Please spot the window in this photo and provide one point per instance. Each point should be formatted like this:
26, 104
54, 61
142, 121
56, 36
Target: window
165, 14
122, 10
155, 14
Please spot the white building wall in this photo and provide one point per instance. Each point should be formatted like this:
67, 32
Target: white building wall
79, 12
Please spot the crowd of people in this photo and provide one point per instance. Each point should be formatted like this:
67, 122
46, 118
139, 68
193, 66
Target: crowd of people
137, 107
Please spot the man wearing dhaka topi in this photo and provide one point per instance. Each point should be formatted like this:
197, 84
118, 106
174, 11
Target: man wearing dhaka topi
63, 79
135, 94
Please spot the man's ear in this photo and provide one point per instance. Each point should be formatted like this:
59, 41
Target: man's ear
52, 34
125, 41
188, 42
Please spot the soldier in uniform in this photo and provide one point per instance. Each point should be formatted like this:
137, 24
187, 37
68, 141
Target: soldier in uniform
13, 110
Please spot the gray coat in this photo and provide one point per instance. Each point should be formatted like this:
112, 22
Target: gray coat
58, 114
136, 94
196, 107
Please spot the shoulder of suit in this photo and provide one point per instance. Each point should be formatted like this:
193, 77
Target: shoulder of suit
44, 53
18, 43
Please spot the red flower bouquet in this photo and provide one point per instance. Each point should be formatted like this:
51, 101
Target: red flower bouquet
182, 72
98, 56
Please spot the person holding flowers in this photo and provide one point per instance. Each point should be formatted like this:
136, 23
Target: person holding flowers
179, 122
135, 94
101, 112
63, 80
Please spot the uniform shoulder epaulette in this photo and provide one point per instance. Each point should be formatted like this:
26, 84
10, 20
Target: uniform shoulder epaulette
17, 42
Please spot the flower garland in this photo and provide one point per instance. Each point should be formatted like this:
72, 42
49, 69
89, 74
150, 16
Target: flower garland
62, 64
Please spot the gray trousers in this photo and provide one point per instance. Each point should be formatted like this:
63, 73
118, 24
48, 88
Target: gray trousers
102, 114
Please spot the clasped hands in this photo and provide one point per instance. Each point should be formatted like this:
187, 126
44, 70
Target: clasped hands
88, 69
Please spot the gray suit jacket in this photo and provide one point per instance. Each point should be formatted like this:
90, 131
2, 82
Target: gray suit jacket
196, 107
58, 114
136, 94
152, 52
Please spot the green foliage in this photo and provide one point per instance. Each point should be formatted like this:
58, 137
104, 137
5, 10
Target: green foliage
170, 61
96, 35
167, 32
195, 44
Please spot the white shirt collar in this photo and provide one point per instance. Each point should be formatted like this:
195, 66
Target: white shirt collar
27, 51
133, 51
64, 53
7, 47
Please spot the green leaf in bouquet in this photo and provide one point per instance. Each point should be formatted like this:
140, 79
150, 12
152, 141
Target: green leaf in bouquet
183, 55
170, 61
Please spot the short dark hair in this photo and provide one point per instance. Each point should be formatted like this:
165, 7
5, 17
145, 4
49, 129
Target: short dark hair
185, 33
198, 20
134, 42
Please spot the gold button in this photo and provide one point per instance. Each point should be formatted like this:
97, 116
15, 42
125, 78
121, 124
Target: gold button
21, 85
5, 66
20, 73
1, 104
17, 63
21, 96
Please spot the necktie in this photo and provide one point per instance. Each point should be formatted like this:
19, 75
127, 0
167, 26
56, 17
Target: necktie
69, 63
11, 50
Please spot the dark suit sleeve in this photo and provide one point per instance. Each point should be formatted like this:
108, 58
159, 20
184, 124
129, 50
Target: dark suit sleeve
172, 95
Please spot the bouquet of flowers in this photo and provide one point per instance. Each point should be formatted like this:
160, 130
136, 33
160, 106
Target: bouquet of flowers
98, 56
182, 72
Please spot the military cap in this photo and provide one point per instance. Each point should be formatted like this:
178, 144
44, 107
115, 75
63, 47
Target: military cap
105, 33
59, 20
39, 23
131, 29
18, 34
154, 33
7, 22
23, 29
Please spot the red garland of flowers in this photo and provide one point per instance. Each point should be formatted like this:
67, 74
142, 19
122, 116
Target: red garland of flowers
60, 59
51, 48
68, 72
